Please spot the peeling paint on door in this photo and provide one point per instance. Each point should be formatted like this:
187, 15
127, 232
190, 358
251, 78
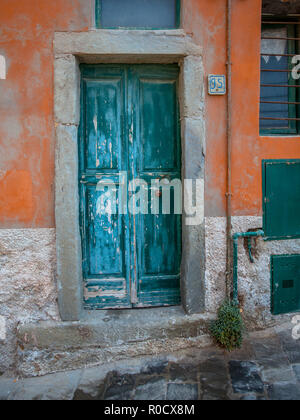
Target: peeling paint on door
129, 260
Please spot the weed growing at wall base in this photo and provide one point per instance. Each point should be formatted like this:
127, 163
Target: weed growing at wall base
228, 330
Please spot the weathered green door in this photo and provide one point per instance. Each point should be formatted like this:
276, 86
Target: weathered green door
129, 126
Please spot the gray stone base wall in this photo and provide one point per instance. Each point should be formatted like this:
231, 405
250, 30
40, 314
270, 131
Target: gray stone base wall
28, 291
254, 278
27, 286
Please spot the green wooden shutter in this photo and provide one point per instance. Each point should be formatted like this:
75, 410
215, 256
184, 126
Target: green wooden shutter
285, 284
281, 198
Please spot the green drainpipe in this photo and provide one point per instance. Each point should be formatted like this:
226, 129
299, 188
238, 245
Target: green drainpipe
236, 238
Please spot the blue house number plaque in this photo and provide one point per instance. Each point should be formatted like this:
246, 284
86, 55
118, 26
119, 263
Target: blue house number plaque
216, 84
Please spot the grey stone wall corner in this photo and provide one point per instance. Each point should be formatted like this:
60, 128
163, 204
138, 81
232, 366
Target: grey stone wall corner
68, 242
66, 90
193, 154
193, 269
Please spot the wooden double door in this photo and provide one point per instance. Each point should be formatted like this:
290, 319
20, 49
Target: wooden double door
130, 129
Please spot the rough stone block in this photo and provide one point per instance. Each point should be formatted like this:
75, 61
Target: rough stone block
284, 392
8, 388
2, 328
193, 87
68, 241
92, 384
119, 387
193, 269
272, 360
156, 367
155, 390
245, 378
60, 386
194, 148
290, 346
183, 372
66, 90
296, 369
110, 43
182, 392
214, 379
253, 397
245, 353
28, 289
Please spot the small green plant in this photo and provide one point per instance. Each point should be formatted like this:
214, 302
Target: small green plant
228, 330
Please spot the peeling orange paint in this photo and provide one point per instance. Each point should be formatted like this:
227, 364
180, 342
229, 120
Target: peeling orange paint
27, 138
16, 201
207, 21
26, 103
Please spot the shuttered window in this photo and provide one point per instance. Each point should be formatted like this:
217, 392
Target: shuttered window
138, 14
280, 91
279, 95
281, 198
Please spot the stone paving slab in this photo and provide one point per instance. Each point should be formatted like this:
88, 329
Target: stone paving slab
185, 392
290, 347
60, 386
296, 369
266, 368
284, 391
245, 378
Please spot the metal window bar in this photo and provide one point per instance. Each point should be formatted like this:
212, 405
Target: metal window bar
279, 23
280, 103
280, 86
291, 15
281, 38
279, 119
278, 55
279, 71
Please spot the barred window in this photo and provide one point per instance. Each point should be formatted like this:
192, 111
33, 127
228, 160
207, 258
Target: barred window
280, 90
138, 14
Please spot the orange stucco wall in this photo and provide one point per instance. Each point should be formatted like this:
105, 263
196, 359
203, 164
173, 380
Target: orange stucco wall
26, 105
207, 21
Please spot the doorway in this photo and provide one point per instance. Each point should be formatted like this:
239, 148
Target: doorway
130, 130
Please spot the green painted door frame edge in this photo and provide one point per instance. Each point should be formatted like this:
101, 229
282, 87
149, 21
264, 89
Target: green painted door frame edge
272, 280
98, 9
264, 198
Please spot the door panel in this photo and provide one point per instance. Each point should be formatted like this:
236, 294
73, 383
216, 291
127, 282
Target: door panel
160, 245
103, 155
105, 237
158, 124
157, 135
129, 124
103, 124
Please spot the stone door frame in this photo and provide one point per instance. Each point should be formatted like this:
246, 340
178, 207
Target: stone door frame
130, 47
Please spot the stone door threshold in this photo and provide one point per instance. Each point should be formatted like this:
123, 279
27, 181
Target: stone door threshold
105, 336
113, 328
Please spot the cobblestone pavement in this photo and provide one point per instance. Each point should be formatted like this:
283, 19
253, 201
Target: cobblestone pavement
266, 368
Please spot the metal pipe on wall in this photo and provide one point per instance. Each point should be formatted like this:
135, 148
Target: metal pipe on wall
229, 152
